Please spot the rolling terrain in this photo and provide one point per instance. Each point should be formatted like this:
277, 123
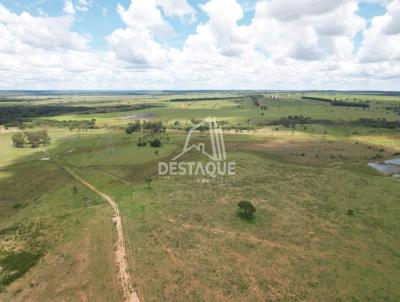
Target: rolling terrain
87, 218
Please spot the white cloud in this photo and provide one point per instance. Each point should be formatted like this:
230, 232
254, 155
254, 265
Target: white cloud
393, 23
23, 32
379, 2
308, 31
179, 8
84, 5
69, 7
137, 47
304, 44
145, 15
41, 51
139, 43
382, 39
229, 38
288, 10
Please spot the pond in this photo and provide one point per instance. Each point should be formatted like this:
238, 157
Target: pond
388, 167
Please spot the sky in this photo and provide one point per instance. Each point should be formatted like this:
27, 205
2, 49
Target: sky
200, 44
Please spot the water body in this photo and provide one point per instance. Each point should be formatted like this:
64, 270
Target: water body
395, 161
388, 167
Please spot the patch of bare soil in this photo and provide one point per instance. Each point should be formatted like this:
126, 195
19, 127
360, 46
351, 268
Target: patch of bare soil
141, 116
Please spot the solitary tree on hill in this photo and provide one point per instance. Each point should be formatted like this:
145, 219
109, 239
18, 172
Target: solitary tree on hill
246, 209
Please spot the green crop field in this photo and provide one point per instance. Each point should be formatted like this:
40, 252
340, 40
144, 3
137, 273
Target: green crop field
326, 226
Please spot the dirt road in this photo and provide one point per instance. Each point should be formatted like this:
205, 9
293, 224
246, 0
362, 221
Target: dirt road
120, 253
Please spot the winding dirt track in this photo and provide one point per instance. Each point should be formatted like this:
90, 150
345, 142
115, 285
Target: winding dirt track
120, 254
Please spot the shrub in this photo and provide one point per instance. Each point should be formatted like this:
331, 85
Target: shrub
18, 140
155, 127
136, 127
195, 121
19, 206
156, 143
246, 209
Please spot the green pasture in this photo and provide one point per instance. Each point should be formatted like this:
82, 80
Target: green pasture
326, 226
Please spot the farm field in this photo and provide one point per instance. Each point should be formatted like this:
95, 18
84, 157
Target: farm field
326, 225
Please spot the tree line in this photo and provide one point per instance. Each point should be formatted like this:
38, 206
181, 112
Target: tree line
71, 124
155, 127
337, 103
205, 99
14, 116
292, 121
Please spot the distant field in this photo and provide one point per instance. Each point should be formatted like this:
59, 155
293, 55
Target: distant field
239, 112
326, 226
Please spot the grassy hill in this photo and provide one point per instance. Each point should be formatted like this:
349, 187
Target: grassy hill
326, 226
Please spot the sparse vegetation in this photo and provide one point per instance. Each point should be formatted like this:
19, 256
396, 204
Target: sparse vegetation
14, 265
246, 209
302, 195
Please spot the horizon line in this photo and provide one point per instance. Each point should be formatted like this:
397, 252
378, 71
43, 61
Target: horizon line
199, 90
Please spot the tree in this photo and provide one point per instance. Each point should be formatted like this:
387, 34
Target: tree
195, 121
136, 127
246, 209
18, 140
155, 127
92, 123
35, 138
156, 143
148, 181
44, 137
202, 128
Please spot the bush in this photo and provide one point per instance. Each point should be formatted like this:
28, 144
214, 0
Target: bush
156, 143
18, 139
19, 206
155, 127
246, 209
148, 181
136, 127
